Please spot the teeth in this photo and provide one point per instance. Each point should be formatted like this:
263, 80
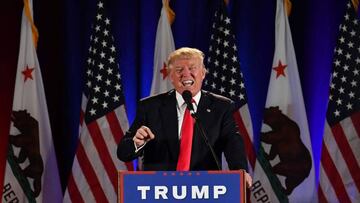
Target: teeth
187, 82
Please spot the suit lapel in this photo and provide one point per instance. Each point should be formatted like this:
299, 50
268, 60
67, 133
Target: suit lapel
204, 104
170, 124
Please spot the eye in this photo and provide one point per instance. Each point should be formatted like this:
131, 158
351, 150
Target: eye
178, 70
192, 68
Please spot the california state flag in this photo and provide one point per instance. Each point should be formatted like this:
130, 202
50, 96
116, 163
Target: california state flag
284, 171
31, 173
164, 45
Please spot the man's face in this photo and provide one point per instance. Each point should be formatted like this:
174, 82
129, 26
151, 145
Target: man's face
187, 74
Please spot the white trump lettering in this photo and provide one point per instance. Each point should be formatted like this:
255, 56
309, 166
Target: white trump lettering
197, 192
143, 190
175, 192
200, 194
160, 191
219, 190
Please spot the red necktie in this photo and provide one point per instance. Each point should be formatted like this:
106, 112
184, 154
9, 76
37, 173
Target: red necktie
185, 142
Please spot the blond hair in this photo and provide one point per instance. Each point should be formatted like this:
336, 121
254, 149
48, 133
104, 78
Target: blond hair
185, 53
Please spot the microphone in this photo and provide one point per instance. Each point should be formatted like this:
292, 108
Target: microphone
187, 96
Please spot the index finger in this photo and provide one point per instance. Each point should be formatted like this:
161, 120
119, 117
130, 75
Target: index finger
148, 131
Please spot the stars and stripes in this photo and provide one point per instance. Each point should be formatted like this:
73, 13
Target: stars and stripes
339, 169
103, 121
344, 90
224, 76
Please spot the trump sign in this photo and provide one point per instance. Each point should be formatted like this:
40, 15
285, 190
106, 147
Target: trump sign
192, 186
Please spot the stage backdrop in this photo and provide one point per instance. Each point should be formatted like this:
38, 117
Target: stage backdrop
64, 28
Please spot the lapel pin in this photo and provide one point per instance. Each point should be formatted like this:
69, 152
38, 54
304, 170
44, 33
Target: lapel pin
208, 110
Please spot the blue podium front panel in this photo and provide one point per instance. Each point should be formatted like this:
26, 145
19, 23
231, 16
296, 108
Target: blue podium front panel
189, 187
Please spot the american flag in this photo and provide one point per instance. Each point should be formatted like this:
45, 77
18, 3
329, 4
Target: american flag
103, 121
339, 170
225, 78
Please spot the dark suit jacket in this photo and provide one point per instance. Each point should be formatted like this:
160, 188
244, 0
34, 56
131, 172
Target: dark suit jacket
160, 115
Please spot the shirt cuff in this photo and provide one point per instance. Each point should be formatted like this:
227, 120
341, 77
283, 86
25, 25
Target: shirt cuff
137, 149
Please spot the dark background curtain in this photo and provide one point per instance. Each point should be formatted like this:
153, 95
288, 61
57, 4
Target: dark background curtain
64, 28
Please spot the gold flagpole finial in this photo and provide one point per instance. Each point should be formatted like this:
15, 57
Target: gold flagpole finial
288, 5
169, 11
356, 4
226, 2
35, 32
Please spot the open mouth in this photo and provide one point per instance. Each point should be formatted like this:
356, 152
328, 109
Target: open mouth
187, 83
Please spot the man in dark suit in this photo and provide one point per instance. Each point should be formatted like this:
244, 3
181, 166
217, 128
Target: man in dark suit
156, 132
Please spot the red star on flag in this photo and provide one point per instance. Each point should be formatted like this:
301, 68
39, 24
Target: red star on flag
280, 69
27, 73
164, 72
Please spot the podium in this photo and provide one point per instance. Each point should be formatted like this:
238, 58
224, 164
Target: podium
175, 186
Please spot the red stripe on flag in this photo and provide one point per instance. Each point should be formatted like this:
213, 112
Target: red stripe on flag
249, 147
333, 176
129, 166
73, 191
355, 118
90, 175
347, 153
115, 126
117, 132
103, 152
81, 117
321, 196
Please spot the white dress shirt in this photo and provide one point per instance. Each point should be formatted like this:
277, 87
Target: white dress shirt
181, 106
